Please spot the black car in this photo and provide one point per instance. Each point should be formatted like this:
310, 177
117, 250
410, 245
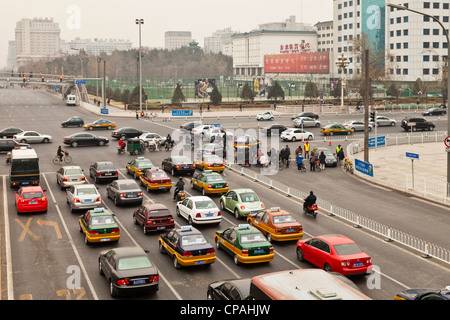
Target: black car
414, 124
9, 132
73, 122
128, 269
126, 133
7, 145
85, 139
273, 128
124, 191
178, 165
434, 112
306, 114
103, 170
424, 294
236, 289
190, 125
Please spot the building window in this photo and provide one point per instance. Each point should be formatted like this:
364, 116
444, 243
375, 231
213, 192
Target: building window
426, 5
436, 45
426, 71
435, 58
405, 32
426, 45
435, 32
405, 19
435, 5
405, 72
405, 45
405, 58
435, 71
426, 58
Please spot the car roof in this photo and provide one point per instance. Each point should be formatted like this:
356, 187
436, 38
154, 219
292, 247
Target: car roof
155, 206
99, 212
243, 190
199, 198
124, 252
187, 230
277, 212
31, 189
71, 167
335, 239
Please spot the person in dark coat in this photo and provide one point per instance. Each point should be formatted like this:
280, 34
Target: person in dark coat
312, 162
322, 158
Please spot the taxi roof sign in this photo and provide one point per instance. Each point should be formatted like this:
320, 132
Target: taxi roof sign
275, 209
186, 228
244, 225
140, 158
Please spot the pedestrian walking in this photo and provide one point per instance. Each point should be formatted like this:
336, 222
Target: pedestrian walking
312, 162
109, 102
162, 109
322, 158
287, 155
306, 147
240, 107
274, 106
201, 110
137, 114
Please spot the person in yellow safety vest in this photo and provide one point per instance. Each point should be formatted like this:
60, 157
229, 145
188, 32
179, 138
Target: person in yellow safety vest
338, 148
306, 148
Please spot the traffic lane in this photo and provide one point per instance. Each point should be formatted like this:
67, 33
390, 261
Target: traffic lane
89, 253
45, 266
395, 263
380, 204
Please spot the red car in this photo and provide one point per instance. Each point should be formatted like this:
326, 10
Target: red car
334, 252
31, 199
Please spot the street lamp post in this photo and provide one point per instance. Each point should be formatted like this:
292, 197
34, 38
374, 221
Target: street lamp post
399, 7
342, 63
140, 22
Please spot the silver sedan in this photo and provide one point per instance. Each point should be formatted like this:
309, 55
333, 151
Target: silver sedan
32, 137
356, 125
69, 176
83, 197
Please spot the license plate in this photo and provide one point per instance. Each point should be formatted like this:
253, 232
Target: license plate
162, 187
186, 167
131, 195
258, 251
290, 230
74, 180
359, 264
160, 228
108, 174
139, 281
105, 239
32, 202
254, 212
219, 186
200, 262
88, 200
217, 165
25, 183
209, 214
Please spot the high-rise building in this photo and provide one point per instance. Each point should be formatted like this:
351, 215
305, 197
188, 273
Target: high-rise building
177, 39
96, 46
220, 41
36, 39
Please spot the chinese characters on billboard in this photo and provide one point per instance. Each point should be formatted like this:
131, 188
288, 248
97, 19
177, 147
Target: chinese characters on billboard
295, 47
307, 62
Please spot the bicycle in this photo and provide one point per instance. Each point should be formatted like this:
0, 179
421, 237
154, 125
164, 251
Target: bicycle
348, 166
65, 159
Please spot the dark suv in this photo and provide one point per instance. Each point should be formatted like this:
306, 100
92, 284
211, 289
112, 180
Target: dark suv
414, 124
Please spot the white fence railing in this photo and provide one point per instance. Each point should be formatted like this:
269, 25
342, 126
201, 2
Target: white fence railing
390, 234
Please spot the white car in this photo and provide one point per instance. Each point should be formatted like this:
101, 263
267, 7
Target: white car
267, 115
32, 137
199, 210
356, 125
149, 137
295, 134
83, 197
216, 132
384, 121
306, 122
201, 129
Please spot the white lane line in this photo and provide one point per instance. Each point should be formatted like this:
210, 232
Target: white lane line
74, 248
9, 273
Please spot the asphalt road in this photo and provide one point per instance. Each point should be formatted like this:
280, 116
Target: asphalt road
46, 252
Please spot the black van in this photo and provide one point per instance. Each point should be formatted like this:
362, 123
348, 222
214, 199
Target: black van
24, 167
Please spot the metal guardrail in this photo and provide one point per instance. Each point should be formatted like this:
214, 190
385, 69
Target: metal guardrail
390, 234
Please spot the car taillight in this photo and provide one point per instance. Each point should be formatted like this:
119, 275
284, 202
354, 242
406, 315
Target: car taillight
66, 139
171, 220
65, 179
187, 254
209, 186
192, 166
226, 185
198, 215
76, 200
115, 230
140, 193
22, 201
244, 251
277, 230
83, 179
99, 174
211, 251
242, 208
218, 213
271, 249
116, 173
178, 167
150, 222
99, 199
43, 199
262, 205
153, 279
122, 282
93, 232
122, 195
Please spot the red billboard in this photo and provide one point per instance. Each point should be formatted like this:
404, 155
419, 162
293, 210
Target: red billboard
307, 62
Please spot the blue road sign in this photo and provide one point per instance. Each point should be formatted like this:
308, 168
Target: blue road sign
104, 111
381, 141
80, 81
364, 167
412, 155
182, 113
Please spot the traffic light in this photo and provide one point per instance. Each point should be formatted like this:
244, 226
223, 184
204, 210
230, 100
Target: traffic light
372, 116
146, 97
60, 79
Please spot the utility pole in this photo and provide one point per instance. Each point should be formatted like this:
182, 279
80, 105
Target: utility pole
366, 105
342, 63
140, 22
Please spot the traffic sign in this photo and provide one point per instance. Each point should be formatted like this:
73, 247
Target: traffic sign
182, 113
447, 142
104, 111
80, 81
364, 167
381, 141
412, 155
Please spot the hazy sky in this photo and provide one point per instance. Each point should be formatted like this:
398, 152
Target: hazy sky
115, 19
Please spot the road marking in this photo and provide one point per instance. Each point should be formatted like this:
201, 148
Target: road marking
52, 224
26, 229
74, 248
9, 273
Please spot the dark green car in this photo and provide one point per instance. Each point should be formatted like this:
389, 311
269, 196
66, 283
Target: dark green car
99, 225
209, 182
245, 243
73, 122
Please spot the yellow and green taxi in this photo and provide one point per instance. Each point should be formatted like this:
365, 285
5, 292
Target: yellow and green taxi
245, 243
155, 179
332, 129
99, 225
100, 124
209, 182
138, 166
187, 246
276, 224
210, 162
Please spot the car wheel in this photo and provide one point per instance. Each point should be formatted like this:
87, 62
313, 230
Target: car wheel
431, 128
190, 220
349, 133
235, 259
300, 256
45, 140
327, 267
192, 185
100, 269
269, 237
91, 128
392, 124
175, 262
217, 244
74, 144
236, 213
331, 133
109, 127
143, 229
101, 143
294, 139
178, 212
116, 201
203, 192
113, 290
161, 248
222, 205
23, 141
86, 240
173, 172
310, 138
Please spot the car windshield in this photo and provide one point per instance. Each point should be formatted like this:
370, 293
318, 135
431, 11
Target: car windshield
128, 186
205, 204
145, 164
193, 239
252, 237
159, 175
133, 263
107, 166
86, 191
95, 221
283, 219
347, 248
249, 197
70, 172
32, 195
